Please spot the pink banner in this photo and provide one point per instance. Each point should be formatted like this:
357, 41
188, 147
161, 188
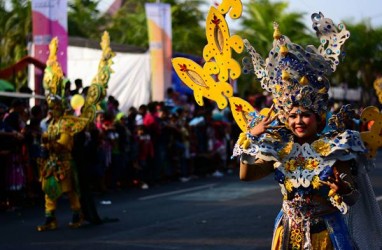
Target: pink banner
50, 20
160, 36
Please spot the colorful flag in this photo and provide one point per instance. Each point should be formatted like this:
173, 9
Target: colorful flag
159, 28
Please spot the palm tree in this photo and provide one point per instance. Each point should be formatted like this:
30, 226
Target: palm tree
257, 28
15, 34
363, 59
257, 22
129, 25
84, 19
188, 27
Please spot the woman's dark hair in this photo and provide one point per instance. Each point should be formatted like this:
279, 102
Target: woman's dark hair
321, 122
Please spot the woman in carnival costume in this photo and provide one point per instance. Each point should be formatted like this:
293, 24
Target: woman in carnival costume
58, 173
328, 199
328, 202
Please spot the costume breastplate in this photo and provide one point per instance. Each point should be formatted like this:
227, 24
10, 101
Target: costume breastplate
302, 167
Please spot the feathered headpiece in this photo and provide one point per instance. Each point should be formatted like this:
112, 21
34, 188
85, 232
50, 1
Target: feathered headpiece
54, 81
54, 85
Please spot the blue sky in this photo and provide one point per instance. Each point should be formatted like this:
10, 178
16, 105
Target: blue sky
339, 10
342, 10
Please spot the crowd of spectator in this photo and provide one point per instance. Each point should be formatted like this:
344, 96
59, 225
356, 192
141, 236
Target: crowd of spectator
157, 142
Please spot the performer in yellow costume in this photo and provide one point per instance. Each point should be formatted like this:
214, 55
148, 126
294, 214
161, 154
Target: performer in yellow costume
57, 172
328, 202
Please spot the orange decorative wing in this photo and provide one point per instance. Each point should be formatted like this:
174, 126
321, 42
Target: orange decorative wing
372, 138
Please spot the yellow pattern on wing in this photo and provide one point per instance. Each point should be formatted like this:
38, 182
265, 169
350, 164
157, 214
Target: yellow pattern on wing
235, 8
203, 85
219, 64
72, 125
97, 90
220, 45
240, 110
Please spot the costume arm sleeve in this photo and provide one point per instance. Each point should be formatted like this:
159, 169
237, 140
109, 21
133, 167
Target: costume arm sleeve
251, 169
260, 147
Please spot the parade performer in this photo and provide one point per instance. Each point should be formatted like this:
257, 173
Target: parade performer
328, 201
57, 171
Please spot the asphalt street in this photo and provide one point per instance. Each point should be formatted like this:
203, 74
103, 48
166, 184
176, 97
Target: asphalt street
205, 213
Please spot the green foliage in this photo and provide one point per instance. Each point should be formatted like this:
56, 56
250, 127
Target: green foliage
258, 19
14, 35
188, 34
129, 25
84, 19
257, 23
363, 59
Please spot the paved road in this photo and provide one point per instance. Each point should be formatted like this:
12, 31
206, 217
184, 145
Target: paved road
205, 213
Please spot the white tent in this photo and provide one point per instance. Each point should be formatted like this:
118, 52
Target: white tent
130, 83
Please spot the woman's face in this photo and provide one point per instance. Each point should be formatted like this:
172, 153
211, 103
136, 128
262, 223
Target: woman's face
303, 123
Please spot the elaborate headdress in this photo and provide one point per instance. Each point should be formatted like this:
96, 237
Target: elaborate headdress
292, 74
54, 84
296, 75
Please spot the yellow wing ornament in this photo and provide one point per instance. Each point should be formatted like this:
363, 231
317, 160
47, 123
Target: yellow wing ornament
97, 89
372, 138
235, 8
53, 75
219, 64
72, 125
203, 85
220, 45
378, 88
240, 110
54, 84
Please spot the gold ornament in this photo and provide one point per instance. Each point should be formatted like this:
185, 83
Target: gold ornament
321, 147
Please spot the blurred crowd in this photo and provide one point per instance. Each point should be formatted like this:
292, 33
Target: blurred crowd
155, 143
